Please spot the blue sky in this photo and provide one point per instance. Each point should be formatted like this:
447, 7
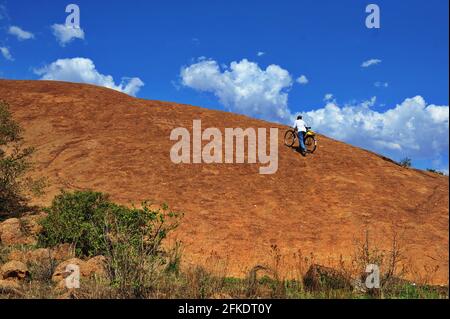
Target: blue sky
184, 51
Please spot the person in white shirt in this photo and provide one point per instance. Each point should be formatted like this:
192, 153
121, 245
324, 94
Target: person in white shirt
300, 126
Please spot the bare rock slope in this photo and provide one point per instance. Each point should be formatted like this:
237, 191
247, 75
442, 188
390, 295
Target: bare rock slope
95, 138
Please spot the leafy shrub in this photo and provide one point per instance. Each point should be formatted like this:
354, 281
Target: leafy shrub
14, 164
76, 218
129, 238
92, 223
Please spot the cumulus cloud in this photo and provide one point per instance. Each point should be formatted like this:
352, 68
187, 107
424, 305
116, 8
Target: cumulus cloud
328, 97
370, 62
412, 128
83, 70
243, 87
6, 53
303, 80
66, 34
20, 33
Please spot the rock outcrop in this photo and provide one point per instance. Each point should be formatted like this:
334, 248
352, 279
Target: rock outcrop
20, 231
14, 270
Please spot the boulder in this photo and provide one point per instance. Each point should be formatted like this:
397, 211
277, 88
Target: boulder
31, 223
17, 255
94, 267
10, 287
321, 278
63, 252
13, 233
61, 270
14, 270
10, 231
37, 256
59, 253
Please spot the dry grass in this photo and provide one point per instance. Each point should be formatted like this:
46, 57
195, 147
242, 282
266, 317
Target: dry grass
141, 276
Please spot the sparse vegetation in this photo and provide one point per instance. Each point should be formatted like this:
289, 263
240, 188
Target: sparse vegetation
138, 266
405, 162
197, 282
431, 170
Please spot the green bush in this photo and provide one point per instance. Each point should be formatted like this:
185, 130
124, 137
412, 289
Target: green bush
14, 163
129, 238
93, 224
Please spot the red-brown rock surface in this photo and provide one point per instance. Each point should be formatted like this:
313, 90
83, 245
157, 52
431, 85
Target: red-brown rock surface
90, 137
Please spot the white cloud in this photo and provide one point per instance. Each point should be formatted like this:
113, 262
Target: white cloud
83, 70
370, 62
381, 84
66, 34
328, 97
303, 80
20, 33
260, 53
6, 53
411, 128
243, 87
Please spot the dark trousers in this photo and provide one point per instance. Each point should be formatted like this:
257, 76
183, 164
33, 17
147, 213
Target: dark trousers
301, 141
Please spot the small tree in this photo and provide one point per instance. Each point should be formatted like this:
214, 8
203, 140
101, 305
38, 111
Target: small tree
406, 162
14, 163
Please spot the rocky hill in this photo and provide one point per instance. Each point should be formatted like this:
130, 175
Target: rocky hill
95, 138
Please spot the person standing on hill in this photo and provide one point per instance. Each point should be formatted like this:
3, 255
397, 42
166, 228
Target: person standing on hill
300, 127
